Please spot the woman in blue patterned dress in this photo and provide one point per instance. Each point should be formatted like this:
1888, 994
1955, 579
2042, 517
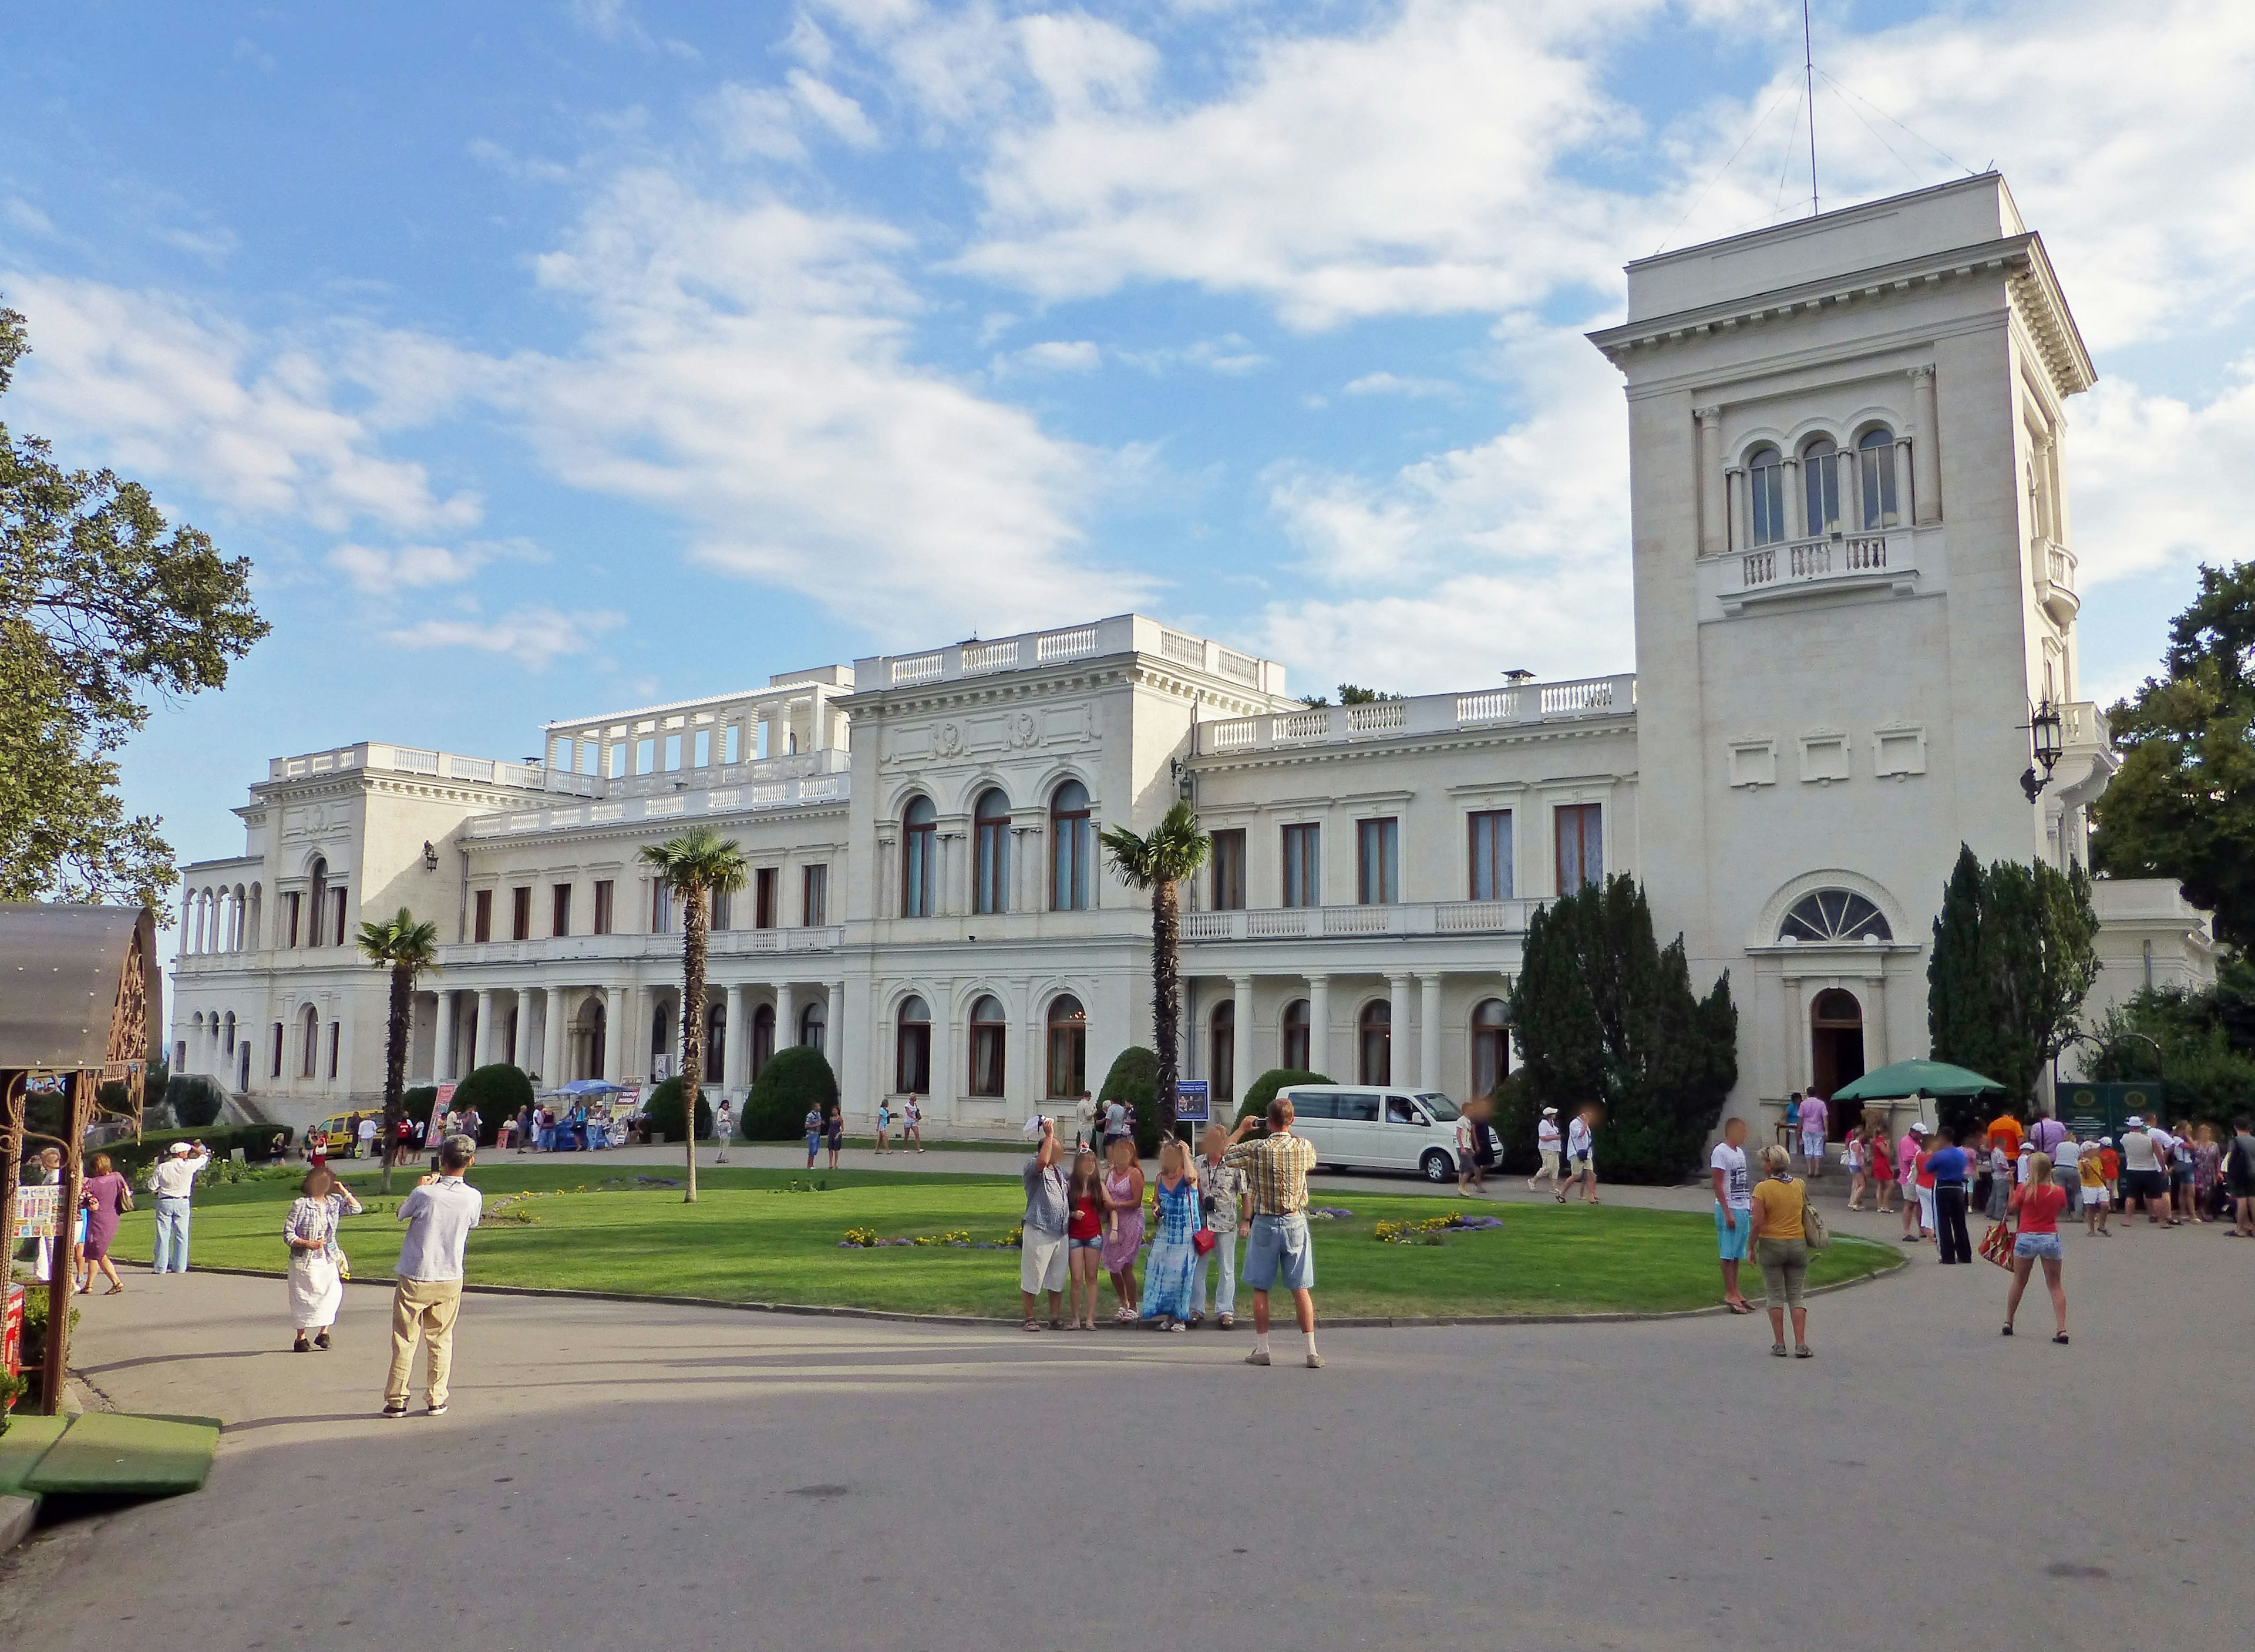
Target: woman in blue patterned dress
1169, 1279
316, 1262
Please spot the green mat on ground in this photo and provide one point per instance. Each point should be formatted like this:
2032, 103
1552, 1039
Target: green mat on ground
24, 1445
107, 1454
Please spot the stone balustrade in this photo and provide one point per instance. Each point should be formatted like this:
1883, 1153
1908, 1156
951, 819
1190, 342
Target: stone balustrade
1403, 918
1422, 714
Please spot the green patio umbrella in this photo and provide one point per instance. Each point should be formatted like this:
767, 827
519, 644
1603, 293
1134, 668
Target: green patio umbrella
1916, 1078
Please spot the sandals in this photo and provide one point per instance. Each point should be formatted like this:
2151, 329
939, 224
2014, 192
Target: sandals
1777, 1350
1056, 1324
1032, 1327
1802, 1351
1227, 1322
1739, 1307
2007, 1331
2060, 1338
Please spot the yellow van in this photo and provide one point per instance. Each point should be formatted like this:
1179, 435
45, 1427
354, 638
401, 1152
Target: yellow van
338, 1136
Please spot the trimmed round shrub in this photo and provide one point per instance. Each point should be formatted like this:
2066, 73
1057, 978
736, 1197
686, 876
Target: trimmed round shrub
1264, 1089
196, 1099
497, 1092
793, 1081
1134, 1079
663, 1109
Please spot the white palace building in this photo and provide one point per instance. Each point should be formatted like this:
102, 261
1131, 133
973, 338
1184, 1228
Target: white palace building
1854, 586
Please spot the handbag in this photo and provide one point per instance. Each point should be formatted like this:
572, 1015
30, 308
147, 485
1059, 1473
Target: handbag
1813, 1229
1996, 1245
1203, 1241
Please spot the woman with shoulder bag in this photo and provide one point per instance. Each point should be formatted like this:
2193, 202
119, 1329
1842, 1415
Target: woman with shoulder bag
2037, 1202
317, 1263
1780, 1238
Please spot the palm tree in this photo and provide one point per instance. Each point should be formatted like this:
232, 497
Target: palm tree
407, 949
695, 866
1174, 850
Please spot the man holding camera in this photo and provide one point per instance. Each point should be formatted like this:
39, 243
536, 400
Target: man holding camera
1043, 1253
1277, 1177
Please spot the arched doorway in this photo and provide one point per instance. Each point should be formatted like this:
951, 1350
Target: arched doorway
1491, 1045
1836, 1047
1375, 1030
587, 1051
1068, 1043
1221, 1057
763, 1035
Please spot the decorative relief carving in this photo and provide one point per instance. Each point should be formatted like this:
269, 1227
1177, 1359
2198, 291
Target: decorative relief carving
1024, 730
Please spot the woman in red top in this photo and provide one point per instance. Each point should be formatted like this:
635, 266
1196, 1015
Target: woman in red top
2037, 1204
1085, 1237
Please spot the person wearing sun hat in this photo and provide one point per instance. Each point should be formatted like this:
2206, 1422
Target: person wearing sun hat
173, 1178
1910, 1156
1549, 1141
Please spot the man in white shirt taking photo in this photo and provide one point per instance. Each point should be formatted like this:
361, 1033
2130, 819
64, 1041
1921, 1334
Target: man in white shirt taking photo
428, 1294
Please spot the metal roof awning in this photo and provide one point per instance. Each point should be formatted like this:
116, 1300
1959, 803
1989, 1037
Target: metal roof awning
61, 970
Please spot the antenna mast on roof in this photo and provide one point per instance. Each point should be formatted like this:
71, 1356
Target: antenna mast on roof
1808, 81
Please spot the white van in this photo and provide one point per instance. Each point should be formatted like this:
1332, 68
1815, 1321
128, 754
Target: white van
1372, 1127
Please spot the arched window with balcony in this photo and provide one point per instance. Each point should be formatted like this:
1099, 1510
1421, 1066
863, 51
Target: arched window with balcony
1375, 1043
1766, 496
912, 1047
919, 859
1071, 844
990, 861
1875, 477
1820, 477
1293, 1028
1491, 1045
1068, 1046
988, 1034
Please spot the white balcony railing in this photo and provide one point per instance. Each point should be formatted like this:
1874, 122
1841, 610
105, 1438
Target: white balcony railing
1125, 633
1424, 714
1834, 562
1318, 923
774, 782
383, 757
664, 946
2052, 567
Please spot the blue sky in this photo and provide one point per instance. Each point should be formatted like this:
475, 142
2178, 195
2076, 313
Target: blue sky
559, 356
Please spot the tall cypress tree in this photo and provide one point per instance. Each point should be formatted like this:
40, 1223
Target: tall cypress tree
1958, 1025
1605, 1014
2013, 959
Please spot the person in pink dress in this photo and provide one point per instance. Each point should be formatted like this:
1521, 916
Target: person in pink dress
105, 1197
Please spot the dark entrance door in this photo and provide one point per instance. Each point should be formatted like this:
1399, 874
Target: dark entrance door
1836, 1050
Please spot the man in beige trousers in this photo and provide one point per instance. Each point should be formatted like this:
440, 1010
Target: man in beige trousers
428, 1292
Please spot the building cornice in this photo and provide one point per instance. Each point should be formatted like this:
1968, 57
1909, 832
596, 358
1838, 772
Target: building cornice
2019, 261
1447, 740
651, 830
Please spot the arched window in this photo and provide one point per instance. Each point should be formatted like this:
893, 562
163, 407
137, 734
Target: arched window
919, 859
763, 1028
317, 905
813, 1025
661, 1039
1766, 496
227, 1033
1820, 475
716, 1042
237, 939
1375, 1040
912, 1049
587, 1039
1491, 1045
1875, 476
309, 1038
990, 864
988, 1033
1295, 1053
1221, 1055
1071, 844
250, 935
1068, 1063
1834, 917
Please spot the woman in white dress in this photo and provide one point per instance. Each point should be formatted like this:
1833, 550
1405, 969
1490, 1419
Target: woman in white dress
317, 1263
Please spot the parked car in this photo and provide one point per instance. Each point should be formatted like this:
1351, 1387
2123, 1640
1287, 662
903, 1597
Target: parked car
1373, 1128
338, 1136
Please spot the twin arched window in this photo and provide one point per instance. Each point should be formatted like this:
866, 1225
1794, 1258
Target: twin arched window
1865, 479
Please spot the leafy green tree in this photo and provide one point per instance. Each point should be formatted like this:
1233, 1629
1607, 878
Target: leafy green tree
2013, 959
1160, 862
1133, 1081
499, 1090
664, 1111
102, 604
1264, 1089
1350, 694
2183, 805
407, 950
695, 866
1606, 1014
790, 1081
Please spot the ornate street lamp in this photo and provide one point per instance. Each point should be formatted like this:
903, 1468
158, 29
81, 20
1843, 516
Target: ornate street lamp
2045, 729
430, 855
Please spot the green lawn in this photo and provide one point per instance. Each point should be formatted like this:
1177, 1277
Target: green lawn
752, 1238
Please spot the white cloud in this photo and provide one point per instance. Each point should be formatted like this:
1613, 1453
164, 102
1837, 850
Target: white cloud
746, 370
534, 637
1059, 355
1513, 552
1401, 384
840, 114
1232, 353
755, 120
2157, 483
213, 246
378, 571
155, 388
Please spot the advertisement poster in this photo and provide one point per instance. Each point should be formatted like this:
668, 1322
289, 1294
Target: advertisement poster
439, 1106
35, 1212
1193, 1101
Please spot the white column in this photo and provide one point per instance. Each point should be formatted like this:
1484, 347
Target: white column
531, 1003
442, 1070
1874, 995
615, 1034
488, 1042
1240, 1044
833, 1047
1902, 482
1429, 1032
1797, 503
943, 1081
786, 1017
555, 1033
736, 1048
1319, 1024
1925, 451
1797, 1037
1397, 1031
1736, 478
1710, 459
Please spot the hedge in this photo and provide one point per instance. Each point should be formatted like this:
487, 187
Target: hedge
256, 1141
794, 1080
1134, 1079
663, 1109
498, 1091
1265, 1087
